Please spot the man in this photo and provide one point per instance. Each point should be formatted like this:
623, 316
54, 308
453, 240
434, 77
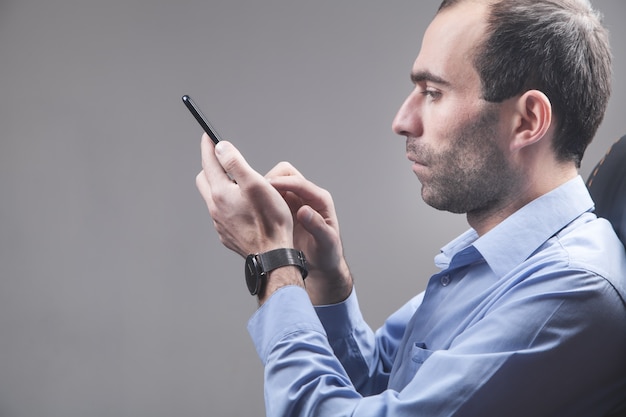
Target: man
527, 316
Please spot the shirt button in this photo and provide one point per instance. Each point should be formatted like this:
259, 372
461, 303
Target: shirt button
445, 280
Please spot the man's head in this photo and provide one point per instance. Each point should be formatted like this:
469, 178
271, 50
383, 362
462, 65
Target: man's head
455, 138
508, 94
558, 47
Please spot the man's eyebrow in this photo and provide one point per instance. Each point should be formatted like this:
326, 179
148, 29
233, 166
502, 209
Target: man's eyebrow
422, 76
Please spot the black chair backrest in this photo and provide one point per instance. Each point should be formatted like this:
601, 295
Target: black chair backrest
607, 185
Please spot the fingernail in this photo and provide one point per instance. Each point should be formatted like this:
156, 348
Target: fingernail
219, 148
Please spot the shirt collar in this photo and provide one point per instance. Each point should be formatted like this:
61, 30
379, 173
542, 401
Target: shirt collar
513, 240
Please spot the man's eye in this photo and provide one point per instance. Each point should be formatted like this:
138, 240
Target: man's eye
432, 94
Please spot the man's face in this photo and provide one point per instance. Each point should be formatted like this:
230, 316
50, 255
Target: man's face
454, 137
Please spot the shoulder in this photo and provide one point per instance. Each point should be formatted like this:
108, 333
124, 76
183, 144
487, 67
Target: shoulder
587, 247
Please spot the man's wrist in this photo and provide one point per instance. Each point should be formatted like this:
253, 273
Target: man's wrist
259, 266
281, 277
331, 288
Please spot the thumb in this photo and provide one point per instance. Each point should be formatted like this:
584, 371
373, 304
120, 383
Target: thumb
314, 223
233, 163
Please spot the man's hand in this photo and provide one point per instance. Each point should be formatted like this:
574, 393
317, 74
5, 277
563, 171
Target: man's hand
250, 216
316, 233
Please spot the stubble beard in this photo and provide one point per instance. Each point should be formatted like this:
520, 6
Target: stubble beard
472, 175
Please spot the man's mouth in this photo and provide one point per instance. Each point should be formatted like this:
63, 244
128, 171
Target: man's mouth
415, 160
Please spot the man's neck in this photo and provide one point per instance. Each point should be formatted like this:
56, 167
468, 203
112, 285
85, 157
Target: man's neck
484, 220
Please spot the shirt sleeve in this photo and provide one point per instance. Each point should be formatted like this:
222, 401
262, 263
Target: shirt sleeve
366, 356
302, 375
330, 352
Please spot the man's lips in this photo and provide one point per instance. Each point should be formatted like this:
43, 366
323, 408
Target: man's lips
415, 153
416, 161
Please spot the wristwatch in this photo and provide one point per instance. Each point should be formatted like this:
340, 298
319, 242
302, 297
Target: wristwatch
260, 264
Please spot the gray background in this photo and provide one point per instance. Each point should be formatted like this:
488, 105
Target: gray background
116, 298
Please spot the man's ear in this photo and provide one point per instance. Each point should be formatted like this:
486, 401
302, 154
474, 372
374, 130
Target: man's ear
533, 118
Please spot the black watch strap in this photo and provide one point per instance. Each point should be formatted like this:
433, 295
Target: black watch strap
260, 264
283, 257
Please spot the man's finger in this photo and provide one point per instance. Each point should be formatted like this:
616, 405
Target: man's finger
306, 190
316, 225
283, 169
233, 163
211, 167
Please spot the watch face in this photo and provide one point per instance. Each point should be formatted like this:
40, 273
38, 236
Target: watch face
253, 278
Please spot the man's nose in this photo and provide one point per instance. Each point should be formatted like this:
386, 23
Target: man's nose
408, 122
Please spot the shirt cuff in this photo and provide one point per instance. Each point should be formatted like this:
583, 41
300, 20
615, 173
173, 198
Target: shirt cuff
340, 320
287, 311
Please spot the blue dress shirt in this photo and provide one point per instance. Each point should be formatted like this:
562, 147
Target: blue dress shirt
527, 320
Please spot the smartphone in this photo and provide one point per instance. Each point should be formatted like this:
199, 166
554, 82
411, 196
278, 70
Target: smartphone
206, 126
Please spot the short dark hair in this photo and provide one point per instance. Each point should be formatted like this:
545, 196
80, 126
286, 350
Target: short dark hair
558, 47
